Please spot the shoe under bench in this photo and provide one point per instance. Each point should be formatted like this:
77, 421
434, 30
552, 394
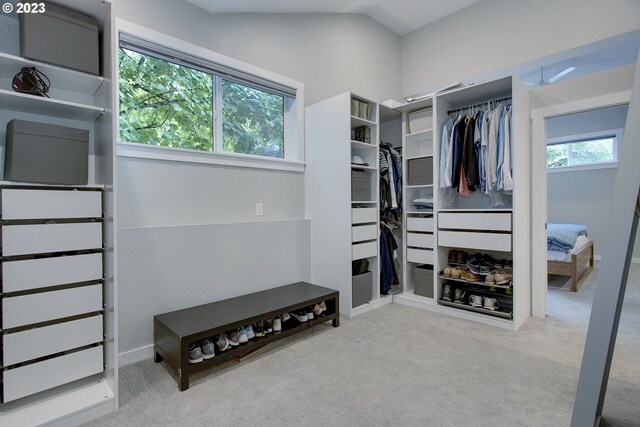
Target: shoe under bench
174, 331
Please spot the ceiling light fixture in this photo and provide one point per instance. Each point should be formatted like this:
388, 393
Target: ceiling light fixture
561, 74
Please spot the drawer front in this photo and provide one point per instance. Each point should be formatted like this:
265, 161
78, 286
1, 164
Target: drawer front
483, 241
364, 232
39, 342
363, 250
42, 238
499, 221
420, 240
36, 377
43, 272
420, 224
50, 204
422, 256
35, 308
361, 215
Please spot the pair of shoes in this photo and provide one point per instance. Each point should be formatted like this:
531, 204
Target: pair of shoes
303, 315
496, 278
459, 272
480, 263
285, 317
200, 350
488, 303
262, 327
277, 324
470, 276
457, 256
458, 295
447, 271
447, 293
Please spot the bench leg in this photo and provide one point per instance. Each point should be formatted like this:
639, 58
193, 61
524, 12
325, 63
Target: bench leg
184, 380
157, 358
336, 303
336, 322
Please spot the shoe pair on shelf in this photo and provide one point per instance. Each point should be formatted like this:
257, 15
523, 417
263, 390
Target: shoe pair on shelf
479, 301
201, 350
497, 278
310, 313
456, 295
480, 263
457, 256
461, 272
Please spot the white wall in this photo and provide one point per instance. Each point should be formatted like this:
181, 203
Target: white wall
496, 34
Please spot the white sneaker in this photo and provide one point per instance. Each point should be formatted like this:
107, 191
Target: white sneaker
475, 300
491, 303
242, 336
249, 330
277, 324
301, 316
310, 315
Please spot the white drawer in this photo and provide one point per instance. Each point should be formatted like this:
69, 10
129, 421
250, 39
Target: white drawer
484, 241
419, 224
364, 232
420, 240
361, 215
42, 238
50, 204
34, 343
36, 377
422, 256
364, 250
43, 272
44, 306
498, 221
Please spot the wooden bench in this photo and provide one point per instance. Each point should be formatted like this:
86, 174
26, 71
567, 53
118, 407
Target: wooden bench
174, 331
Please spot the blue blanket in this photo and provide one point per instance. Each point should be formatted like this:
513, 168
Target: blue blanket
562, 237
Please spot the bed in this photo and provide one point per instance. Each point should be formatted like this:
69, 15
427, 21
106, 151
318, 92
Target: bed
576, 262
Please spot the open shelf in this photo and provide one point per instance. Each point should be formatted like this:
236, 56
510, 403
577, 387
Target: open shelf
476, 210
368, 168
422, 156
359, 144
61, 78
357, 121
505, 313
49, 107
422, 135
420, 186
476, 283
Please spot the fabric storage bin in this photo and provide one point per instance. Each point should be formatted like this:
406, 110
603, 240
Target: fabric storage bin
46, 154
361, 289
420, 120
420, 171
61, 37
360, 186
423, 281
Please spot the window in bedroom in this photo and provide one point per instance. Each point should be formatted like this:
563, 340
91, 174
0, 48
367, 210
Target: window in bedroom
583, 151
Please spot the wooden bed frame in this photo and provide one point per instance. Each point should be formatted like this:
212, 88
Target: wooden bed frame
580, 266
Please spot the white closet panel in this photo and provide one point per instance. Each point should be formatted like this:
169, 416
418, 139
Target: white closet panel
419, 224
422, 256
29, 379
35, 308
42, 238
361, 215
50, 204
43, 272
34, 343
475, 221
481, 241
420, 240
364, 232
364, 250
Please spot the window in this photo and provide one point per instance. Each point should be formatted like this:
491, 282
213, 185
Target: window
580, 151
176, 100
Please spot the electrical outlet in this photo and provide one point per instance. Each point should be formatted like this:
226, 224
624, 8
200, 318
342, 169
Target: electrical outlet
259, 209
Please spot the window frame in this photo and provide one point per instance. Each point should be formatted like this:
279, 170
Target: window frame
617, 134
183, 51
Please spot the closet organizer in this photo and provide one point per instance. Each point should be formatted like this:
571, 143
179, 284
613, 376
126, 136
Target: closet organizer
473, 203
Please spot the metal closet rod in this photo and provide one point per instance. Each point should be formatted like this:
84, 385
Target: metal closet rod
479, 104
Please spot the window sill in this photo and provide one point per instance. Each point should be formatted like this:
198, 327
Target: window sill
141, 151
610, 165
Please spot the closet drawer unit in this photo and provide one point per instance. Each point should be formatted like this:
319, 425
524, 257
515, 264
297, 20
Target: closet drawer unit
499, 221
363, 250
420, 240
43, 272
34, 343
364, 232
45, 306
42, 238
482, 241
362, 215
36, 377
50, 204
420, 224
422, 256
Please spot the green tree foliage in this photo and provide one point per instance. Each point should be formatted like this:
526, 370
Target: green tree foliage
580, 153
558, 156
164, 104
252, 121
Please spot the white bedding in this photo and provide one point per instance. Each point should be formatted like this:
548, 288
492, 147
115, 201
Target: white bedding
561, 256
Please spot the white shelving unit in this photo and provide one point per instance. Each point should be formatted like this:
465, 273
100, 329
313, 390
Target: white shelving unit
472, 224
343, 228
60, 366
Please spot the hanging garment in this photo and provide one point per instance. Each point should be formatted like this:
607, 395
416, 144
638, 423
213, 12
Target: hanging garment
506, 166
469, 160
445, 141
388, 245
477, 142
449, 171
457, 146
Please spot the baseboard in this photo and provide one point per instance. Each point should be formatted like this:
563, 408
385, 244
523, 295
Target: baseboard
137, 355
633, 260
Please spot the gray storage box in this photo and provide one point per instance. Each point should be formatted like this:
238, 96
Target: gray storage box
47, 154
61, 37
423, 281
360, 186
420, 171
361, 289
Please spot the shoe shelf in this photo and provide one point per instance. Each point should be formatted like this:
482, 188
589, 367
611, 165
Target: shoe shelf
455, 264
174, 331
477, 282
503, 312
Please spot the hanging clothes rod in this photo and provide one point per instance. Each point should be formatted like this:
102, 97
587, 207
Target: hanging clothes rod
480, 104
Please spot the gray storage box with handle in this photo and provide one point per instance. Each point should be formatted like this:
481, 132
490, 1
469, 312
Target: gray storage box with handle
423, 280
61, 37
46, 154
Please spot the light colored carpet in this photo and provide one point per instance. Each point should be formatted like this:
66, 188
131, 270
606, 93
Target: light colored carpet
399, 366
